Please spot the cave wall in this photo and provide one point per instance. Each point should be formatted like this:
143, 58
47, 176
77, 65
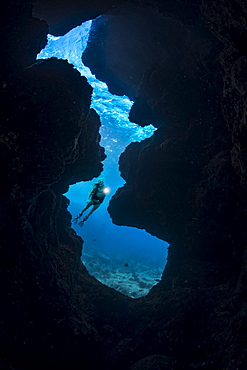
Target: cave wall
49, 139
171, 69
186, 185
189, 159
62, 15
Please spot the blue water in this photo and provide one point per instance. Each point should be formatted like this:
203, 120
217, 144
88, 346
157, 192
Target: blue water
127, 259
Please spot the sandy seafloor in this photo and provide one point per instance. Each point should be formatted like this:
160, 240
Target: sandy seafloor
131, 278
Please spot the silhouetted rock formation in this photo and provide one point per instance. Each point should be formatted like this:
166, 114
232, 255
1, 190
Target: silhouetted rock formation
63, 15
186, 185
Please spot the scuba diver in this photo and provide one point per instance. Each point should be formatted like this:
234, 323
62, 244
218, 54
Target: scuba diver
95, 198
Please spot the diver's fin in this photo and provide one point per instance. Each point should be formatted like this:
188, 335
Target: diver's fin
81, 223
75, 220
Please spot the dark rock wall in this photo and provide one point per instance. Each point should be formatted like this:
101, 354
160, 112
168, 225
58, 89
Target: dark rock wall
197, 191
127, 41
49, 139
186, 185
63, 15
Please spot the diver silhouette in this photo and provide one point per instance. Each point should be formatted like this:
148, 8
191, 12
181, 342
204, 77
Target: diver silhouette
95, 198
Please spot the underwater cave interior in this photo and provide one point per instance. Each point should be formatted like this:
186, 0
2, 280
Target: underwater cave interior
127, 259
185, 183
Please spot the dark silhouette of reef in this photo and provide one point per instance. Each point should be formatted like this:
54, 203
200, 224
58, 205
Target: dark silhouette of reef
186, 185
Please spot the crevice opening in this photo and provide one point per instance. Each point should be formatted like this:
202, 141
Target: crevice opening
127, 259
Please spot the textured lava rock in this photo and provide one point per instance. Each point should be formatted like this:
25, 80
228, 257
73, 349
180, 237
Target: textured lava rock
178, 157
121, 60
62, 16
23, 34
186, 184
152, 362
45, 122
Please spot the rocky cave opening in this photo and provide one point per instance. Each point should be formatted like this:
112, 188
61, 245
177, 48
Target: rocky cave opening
186, 184
126, 259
